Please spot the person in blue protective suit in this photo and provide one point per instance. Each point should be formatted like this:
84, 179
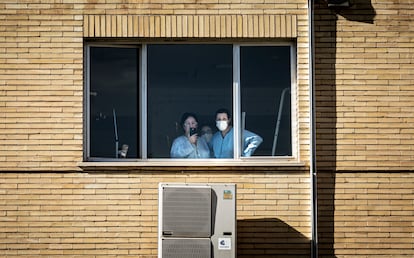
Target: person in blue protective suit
189, 145
223, 140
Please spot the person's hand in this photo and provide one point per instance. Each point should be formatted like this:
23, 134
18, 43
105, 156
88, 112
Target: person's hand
193, 138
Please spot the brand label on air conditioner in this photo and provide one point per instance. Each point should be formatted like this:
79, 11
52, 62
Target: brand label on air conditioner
227, 195
224, 243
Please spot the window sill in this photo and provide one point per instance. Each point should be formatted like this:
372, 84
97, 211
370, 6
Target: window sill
193, 164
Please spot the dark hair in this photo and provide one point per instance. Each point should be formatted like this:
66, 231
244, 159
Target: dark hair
187, 115
224, 110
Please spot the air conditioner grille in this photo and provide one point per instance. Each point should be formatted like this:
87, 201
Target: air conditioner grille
186, 212
186, 248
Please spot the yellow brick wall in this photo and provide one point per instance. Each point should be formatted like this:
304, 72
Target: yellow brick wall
365, 79
116, 214
191, 26
41, 86
41, 73
365, 103
366, 214
364, 112
50, 207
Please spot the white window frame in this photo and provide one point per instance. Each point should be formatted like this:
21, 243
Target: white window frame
238, 160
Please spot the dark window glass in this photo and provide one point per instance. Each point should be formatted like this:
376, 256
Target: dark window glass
113, 101
265, 80
185, 78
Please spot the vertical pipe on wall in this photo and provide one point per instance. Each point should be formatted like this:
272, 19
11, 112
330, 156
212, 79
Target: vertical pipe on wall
312, 134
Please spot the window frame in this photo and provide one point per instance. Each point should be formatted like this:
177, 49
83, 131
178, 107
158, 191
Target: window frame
142, 134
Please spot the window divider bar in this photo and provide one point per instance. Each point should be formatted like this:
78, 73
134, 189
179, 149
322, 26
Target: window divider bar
236, 102
143, 131
87, 97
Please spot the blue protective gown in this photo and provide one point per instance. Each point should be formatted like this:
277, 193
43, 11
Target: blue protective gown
183, 148
223, 146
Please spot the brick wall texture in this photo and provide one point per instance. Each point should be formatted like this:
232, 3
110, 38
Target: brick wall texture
50, 207
115, 214
365, 98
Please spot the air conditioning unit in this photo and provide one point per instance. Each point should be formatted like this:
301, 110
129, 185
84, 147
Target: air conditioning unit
197, 221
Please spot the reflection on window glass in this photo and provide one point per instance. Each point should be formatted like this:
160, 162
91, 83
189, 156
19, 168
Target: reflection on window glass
185, 78
265, 75
113, 102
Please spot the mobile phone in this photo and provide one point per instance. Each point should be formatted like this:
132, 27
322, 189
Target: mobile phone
193, 131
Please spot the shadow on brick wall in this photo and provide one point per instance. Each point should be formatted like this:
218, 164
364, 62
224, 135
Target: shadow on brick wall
270, 238
359, 11
325, 73
326, 110
326, 193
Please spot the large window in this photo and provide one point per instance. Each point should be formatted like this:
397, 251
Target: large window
136, 96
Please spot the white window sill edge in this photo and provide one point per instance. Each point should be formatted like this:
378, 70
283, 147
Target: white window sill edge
243, 162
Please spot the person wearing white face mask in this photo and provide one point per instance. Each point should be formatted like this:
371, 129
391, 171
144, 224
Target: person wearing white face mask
189, 145
223, 140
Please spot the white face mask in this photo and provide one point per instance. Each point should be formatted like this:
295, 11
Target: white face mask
221, 125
